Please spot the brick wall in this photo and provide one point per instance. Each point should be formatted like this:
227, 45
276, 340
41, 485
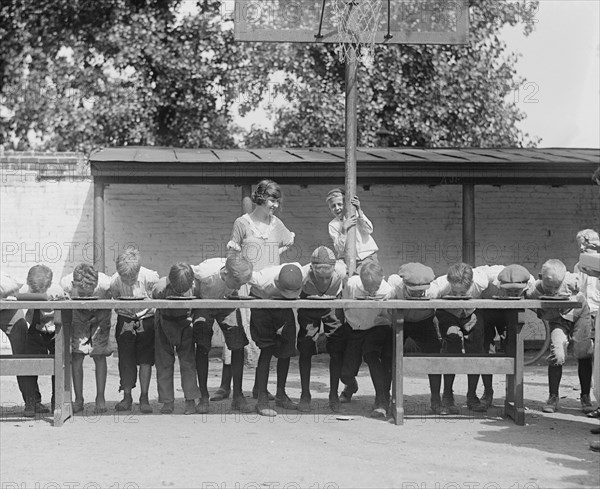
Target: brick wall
50, 219
47, 216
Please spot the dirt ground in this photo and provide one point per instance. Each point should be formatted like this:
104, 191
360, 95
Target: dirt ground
313, 450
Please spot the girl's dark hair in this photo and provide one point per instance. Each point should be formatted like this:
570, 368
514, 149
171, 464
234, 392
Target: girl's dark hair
264, 190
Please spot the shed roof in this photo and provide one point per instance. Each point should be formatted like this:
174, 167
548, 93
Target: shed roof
542, 166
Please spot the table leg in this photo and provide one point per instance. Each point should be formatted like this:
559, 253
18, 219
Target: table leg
596, 368
62, 370
514, 404
397, 387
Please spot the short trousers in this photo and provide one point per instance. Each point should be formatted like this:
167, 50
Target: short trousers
90, 333
274, 328
136, 337
310, 322
230, 322
424, 334
459, 332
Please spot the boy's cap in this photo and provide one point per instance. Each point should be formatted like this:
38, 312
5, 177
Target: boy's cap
514, 277
289, 281
416, 276
323, 255
335, 192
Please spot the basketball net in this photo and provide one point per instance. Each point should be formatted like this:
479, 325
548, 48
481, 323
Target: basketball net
357, 22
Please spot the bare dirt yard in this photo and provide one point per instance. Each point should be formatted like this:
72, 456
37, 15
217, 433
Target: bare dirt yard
313, 450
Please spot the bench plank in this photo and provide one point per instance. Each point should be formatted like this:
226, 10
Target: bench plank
44, 365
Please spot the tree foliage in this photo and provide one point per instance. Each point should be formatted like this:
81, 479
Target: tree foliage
424, 95
79, 74
115, 72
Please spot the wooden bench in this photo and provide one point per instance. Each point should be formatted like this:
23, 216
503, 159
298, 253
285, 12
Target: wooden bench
510, 365
58, 364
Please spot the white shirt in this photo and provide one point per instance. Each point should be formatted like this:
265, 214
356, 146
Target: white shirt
141, 288
366, 318
208, 275
590, 286
263, 282
46, 325
483, 277
365, 244
335, 286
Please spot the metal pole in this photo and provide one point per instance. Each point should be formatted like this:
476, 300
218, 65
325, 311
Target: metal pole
468, 219
99, 251
351, 137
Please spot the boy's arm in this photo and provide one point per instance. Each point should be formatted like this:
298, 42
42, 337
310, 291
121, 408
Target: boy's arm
115, 290
364, 224
338, 236
395, 282
8, 286
439, 287
534, 290
152, 279
159, 289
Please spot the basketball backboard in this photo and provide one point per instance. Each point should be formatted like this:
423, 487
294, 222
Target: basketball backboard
400, 21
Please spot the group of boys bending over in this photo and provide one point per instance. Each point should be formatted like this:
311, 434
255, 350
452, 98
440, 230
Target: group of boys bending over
147, 337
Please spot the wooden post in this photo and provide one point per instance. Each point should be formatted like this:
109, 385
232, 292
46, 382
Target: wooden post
246, 199
99, 251
398, 367
351, 137
468, 218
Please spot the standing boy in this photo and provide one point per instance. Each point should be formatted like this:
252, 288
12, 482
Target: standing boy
135, 328
90, 330
565, 324
13, 324
218, 278
462, 330
512, 282
366, 248
589, 244
40, 335
323, 277
173, 332
274, 331
414, 281
370, 335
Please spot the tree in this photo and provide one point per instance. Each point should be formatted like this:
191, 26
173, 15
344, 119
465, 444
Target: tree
425, 95
75, 75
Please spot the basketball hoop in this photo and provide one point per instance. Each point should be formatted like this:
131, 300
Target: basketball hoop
357, 22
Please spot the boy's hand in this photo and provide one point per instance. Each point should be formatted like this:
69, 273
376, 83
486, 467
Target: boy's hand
355, 202
592, 247
351, 221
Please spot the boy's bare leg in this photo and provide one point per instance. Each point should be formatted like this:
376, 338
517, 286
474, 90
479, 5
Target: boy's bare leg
145, 376
77, 370
101, 373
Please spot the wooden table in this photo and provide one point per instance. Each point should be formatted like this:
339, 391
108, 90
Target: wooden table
511, 365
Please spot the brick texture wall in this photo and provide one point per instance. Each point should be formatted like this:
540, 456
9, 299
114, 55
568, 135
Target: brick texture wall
50, 219
47, 217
